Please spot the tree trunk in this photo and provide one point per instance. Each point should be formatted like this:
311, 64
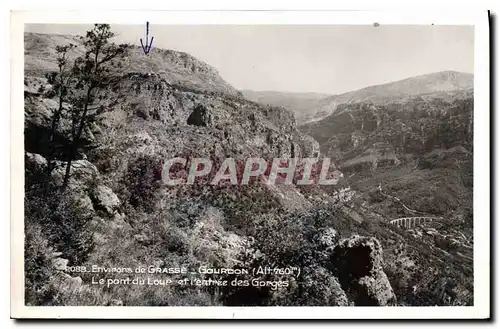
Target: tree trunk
53, 129
76, 138
81, 125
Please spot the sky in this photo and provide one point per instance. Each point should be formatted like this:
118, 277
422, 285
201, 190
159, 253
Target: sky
328, 59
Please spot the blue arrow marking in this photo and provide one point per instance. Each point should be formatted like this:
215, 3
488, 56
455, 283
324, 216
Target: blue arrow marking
147, 48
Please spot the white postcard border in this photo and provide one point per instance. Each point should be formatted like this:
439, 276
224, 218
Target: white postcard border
479, 19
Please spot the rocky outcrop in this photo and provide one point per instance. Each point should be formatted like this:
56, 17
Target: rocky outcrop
345, 273
310, 147
34, 164
83, 172
66, 282
209, 238
83, 185
200, 117
357, 261
38, 109
323, 289
104, 199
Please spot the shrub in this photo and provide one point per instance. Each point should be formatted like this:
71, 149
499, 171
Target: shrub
139, 182
63, 220
37, 266
70, 232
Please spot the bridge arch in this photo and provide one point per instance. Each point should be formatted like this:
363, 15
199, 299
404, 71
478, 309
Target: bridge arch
411, 222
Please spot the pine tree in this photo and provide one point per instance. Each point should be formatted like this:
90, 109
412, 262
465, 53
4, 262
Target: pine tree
60, 81
97, 69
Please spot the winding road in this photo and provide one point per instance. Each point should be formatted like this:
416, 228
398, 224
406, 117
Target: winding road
408, 222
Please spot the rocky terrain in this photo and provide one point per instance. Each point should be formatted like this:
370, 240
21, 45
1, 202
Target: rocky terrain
410, 156
310, 107
117, 213
172, 66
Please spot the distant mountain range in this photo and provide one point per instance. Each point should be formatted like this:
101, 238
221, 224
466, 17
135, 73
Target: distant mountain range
311, 107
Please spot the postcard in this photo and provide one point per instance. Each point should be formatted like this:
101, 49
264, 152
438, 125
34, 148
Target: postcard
259, 165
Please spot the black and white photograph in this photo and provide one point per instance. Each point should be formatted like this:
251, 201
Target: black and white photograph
245, 165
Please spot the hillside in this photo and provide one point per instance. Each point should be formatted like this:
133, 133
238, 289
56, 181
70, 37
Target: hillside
173, 66
309, 107
439, 82
116, 213
419, 134
411, 157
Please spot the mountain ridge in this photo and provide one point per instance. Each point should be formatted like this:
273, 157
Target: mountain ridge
415, 85
176, 67
315, 107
